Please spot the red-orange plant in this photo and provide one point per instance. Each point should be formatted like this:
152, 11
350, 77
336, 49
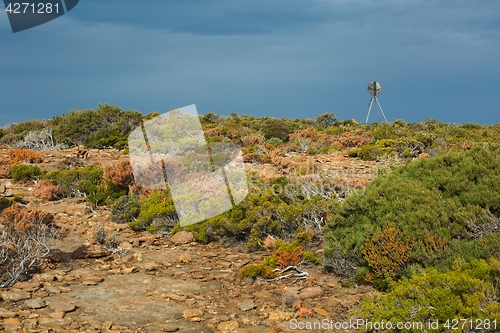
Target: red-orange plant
18, 156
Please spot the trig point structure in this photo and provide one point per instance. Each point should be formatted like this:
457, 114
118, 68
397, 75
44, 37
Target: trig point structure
374, 89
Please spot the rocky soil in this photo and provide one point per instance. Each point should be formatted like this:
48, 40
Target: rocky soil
159, 284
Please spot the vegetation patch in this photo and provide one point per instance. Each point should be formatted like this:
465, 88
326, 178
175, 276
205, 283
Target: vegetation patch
426, 213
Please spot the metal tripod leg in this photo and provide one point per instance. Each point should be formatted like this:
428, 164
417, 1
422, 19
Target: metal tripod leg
378, 106
368, 109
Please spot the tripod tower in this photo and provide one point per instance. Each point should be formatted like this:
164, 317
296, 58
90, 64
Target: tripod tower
374, 89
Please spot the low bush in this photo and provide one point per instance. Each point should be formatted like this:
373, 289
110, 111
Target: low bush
437, 209
389, 148
126, 209
5, 169
468, 290
18, 156
45, 190
120, 174
27, 236
157, 213
24, 172
86, 182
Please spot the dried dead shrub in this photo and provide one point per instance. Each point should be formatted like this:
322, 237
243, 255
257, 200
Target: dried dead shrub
45, 190
5, 169
18, 156
357, 140
99, 235
269, 242
304, 313
26, 236
252, 158
120, 174
252, 139
212, 132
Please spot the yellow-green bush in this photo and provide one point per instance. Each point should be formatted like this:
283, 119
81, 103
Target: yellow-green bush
468, 291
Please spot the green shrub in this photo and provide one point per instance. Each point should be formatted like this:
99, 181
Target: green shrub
311, 257
389, 148
276, 128
446, 207
255, 270
126, 209
25, 172
468, 291
275, 141
157, 213
86, 181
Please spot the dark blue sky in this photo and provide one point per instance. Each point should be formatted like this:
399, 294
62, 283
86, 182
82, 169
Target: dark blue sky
281, 58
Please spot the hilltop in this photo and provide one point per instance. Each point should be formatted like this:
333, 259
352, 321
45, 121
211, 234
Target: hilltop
354, 212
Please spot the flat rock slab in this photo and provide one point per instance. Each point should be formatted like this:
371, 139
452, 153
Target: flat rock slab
15, 295
61, 306
311, 292
182, 237
34, 304
136, 300
246, 305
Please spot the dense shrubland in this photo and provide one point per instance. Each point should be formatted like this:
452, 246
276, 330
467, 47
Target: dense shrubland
428, 223
426, 213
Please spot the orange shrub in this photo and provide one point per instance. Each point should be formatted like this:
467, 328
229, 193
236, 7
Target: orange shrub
286, 259
46, 191
304, 312
4, 169
120, 174
358, 140
387, 252
18, 156
23, 219
252, 139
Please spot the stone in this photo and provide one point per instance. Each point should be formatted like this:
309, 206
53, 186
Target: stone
28, 286
6, 313
126, 245
34, 304
58, 315
175, 297
12, 323
168, 328
182, 237
8, 193
90, 283
246, 305
93, 278
15, 295
228, 326
129, 270
61, 306
150, 266
311, 292
76, 210
192, 313
90, 251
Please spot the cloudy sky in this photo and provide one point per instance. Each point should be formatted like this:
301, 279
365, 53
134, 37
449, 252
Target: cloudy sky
280, 58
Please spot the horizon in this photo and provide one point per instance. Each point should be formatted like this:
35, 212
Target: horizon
284, 59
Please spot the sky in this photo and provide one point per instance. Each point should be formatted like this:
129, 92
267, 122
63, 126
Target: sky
279, 58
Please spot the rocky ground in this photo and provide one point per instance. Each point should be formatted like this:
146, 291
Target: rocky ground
155, 284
